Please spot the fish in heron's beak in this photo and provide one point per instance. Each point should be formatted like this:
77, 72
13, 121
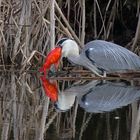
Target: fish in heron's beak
50, 89
52, 58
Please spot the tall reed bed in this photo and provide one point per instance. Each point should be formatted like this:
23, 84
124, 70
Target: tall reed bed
28, 30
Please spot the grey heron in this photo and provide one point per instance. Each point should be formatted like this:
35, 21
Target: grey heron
100, 56
98, 97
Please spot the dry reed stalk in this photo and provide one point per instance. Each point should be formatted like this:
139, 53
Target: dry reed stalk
103, 22
67, 24
58, 120
15, 122
138, 8
27, 30
65, 30
5, 131
74, 119
3, 43
0, 3
83, 23
19, 32
83, 121
50, 121
111, 19
84, 125
78, 18
117, 131
68, 3
137, 35
43, 119
95, 20
136, 126
27, 61
52, 24
108, 4
20, 112
6, 123
93, 78
109, 134
4, 114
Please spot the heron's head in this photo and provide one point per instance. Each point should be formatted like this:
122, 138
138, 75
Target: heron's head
64, 48
69, 47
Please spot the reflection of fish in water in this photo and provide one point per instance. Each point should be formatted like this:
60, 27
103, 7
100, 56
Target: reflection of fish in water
50, 89
99, 97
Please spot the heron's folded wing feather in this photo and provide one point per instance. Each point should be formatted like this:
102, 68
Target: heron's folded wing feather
111, 57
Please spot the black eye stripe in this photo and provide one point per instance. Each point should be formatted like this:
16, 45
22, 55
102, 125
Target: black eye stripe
61, 41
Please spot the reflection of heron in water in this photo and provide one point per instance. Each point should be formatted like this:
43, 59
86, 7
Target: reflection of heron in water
99, 56
98, 97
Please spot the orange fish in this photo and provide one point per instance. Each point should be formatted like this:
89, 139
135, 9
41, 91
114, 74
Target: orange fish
50, 89
52, 58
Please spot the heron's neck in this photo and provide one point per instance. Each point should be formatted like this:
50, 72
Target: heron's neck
74, 59
86, 63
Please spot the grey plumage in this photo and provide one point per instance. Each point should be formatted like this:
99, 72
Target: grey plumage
101, 56
108, 96
98, 97
111, 57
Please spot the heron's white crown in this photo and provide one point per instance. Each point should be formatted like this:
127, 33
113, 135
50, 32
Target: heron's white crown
70, 48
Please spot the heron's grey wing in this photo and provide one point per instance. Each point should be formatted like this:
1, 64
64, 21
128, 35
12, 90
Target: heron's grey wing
80, 90
66, 98
111, 57
109, 96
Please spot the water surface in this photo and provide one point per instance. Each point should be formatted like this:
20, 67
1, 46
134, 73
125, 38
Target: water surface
85, 109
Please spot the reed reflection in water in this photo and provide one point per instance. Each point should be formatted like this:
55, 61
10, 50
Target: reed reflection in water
27, 114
